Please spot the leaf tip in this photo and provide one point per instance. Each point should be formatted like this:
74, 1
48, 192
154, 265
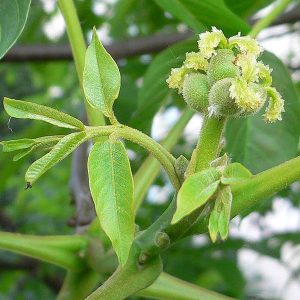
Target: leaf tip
28, 185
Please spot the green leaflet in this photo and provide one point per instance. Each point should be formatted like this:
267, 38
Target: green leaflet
27, 110
205, 13
13, 16
195, 192
28, 145
62, 149
111, 186
220, 216
235, 172
13, 145
101, 77
45, 143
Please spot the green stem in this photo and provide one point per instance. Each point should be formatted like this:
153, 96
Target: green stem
264, 185
148, 171
167, 287
59, 250
158, 151
248, 193
268, 19
78, 47
130, 279
208, 144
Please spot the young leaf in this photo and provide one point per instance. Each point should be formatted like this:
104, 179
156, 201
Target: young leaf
234, 173
213, 225
13, 16
225, 196
62, 149
111, 186
195, 192
101, 77
13, 145
44, 143
27, 110
220, 215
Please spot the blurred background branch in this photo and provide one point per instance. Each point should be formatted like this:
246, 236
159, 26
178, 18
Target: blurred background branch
120, 49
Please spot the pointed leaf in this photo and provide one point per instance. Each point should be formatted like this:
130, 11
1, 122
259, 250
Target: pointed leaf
45, 143
13, 145
225, 196
213, 225
235, 172
101, 77
111, 186
27, 110
195, 192
62, 149
13, 16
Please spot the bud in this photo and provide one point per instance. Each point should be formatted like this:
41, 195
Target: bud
195, 91
220, 101
221, 66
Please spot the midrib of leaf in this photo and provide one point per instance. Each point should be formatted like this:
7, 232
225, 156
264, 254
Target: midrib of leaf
101, 80
114, 191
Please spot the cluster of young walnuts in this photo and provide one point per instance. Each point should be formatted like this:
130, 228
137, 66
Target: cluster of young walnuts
225, 78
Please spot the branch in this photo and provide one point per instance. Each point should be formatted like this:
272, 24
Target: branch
117, 50
121, 49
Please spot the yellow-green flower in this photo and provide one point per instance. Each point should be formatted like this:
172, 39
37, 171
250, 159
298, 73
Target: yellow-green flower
248, 67
209, 41
245, 96
194, 60
275, 107
245, 44
243, 82
176, 78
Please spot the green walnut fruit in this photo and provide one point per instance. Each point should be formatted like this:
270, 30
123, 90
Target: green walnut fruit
220, 102
222, 66
195, 91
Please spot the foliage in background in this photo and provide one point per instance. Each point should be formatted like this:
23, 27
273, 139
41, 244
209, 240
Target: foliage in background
46, 209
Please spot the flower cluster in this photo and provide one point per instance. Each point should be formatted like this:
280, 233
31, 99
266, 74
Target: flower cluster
246, 80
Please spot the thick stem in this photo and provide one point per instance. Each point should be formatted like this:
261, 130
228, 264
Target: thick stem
264, 185
167, 287
269, 18
78, 47
158, 151
208, 146
148, 171
58, 250
130, 279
